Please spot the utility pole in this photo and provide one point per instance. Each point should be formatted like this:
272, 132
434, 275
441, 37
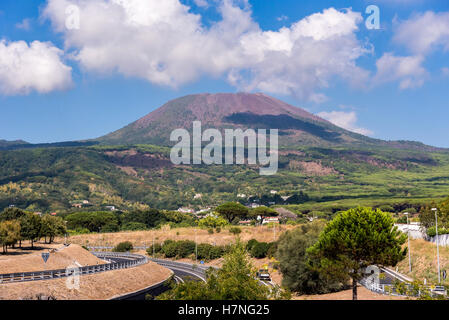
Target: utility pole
196, 249
438, 249
409, 251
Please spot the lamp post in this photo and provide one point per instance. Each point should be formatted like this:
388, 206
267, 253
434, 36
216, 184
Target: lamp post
409, 252
196, 249
438, 249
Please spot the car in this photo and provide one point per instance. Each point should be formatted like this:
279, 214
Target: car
263, 275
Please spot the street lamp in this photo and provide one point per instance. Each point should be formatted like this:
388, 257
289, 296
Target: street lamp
409, 253
438, 250
196, 249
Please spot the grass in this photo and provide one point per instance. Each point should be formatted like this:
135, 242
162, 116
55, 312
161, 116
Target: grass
145, 238
424, 261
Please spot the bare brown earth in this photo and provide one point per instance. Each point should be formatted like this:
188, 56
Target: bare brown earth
99, 286
60, 258
362, 294
142, 238
311, 168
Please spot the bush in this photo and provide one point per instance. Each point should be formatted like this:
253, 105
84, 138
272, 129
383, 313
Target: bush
431, 232
235, 230
212, 222
250, 244
210, 231
123, 247
402, 220
259, 250
170, 249
204, 251
185, 248
217, 229
157, 249
134, 226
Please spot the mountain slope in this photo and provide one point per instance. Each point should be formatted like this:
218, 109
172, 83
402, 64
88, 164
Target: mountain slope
241, 110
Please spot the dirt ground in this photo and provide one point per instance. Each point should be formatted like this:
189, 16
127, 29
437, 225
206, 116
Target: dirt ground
99, 286
145, 238
362, 294
60, 258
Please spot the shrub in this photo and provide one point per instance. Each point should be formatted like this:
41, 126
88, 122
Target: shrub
209, 252
235, 230
204, 251
157, 249
123, 247
402, 219
185, 248
217, 229
134, 226
250, 244
210, 231
170, 249
431, 232
212, 222
259, 250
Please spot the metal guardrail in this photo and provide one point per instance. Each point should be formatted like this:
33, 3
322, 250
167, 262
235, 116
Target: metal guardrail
134, 260
389, 289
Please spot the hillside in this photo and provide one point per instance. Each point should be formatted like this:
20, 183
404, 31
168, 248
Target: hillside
333, 167
242, 110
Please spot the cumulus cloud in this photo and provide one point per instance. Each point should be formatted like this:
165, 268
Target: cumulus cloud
407, 70
24, 25
421, 34
35, 67
201, 3
166, 44
424, 32
345, 120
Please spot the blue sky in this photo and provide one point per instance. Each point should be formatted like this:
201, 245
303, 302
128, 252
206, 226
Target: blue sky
391, 83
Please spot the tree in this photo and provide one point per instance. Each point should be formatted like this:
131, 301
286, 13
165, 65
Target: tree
11, 214
298, 273
427, 216
236, 280
51, 227
9, 233
30, 227
356, 239
263, 211
232, 210
94, 221
212, 222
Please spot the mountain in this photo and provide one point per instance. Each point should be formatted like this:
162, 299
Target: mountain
242, 110
131, 168
7, 144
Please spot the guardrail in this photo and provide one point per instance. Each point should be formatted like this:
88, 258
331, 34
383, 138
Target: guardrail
133, 260
389, 289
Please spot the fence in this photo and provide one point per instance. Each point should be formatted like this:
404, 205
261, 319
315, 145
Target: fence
389, 288
132, 260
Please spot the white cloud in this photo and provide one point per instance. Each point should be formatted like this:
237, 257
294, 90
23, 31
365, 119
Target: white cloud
445, 71
24, 25
345, 120
166, 44
425, 32
420, 35
407, 70
282, 18
201, 3
36, 67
